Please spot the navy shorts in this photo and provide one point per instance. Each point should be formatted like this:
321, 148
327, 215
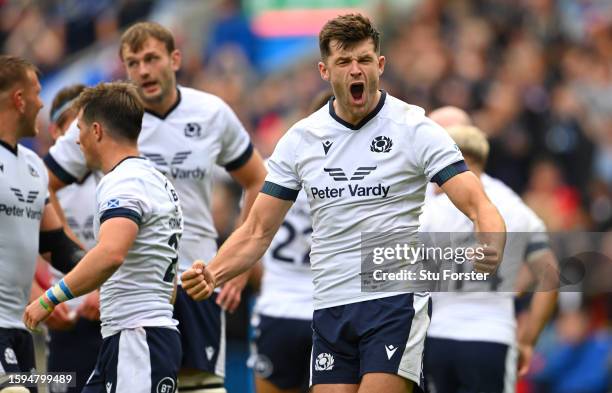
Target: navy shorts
74, 350
281, 353
140, 360
454, 366
202, 326
385, 335
16, 353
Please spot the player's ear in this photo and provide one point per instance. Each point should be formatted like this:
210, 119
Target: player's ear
175, 59
19, 100
381, 64
323, 71
97, 130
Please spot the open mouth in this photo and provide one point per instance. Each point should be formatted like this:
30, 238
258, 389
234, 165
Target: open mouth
357, 90
149, 85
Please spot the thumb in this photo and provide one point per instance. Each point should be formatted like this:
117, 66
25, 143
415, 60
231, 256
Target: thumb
199, 266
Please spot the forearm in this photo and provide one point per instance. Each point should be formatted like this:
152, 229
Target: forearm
239, 253
542, 307
94, 269
490, 226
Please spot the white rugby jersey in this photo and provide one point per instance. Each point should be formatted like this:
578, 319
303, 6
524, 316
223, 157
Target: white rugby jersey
23, 194
286, 287
198, 133
365, 178
484, 316
78, 200
139, 293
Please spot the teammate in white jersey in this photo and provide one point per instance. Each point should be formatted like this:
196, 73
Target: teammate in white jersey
28, 224
138, 225
74, 349
472, 339
283, 313
185, 133
364, 162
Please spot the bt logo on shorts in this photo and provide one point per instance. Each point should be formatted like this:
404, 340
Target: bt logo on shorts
324, 362
166, 385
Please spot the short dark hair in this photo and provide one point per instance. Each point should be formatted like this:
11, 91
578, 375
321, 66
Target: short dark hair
348, 30
135, 37
14, 69
116, 105
62, 103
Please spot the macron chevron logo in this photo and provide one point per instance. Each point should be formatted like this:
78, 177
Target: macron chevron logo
338, 173
159, 160
21, 198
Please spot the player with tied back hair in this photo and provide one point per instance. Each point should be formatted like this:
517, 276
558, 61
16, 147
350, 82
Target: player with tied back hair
185, 134
473, 343
364, 161
29, 225
138, 225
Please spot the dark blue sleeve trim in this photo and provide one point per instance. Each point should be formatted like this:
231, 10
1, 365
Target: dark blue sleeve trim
58, 171
537, 246
240, 161
121, 212
452, 170
279, 192
47, 200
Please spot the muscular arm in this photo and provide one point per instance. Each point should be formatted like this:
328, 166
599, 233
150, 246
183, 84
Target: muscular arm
116, 236
115, 239
242, 249
250, 176
467, 194
54, 245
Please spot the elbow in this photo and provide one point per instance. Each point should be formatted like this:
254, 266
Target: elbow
113, 258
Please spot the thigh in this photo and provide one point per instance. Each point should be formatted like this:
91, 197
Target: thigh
441, 358
282, 351
382, 382
485, 367
202, 327
103, 378
16, 350
393, 331
335, 349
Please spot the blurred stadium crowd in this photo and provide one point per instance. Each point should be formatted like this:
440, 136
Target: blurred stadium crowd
536, 76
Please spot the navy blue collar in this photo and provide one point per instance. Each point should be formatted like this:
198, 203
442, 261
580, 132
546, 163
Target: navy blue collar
172, 108
126, 158
363, 122
8, 147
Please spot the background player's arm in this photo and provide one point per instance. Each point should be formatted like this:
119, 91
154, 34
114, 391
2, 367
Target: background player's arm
55, 246
56, 184
241, 250
545, 271
467, 194
250, 176
116, 236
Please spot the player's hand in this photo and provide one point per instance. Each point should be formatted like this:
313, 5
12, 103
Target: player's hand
490, 260
525, 355
231, 291
60, 318
90, 308
35, 313
198, 282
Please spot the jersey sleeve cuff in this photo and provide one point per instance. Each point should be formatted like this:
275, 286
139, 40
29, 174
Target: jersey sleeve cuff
279, 191
447, 173
121, 212
58, 171
241, 160
533, 248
